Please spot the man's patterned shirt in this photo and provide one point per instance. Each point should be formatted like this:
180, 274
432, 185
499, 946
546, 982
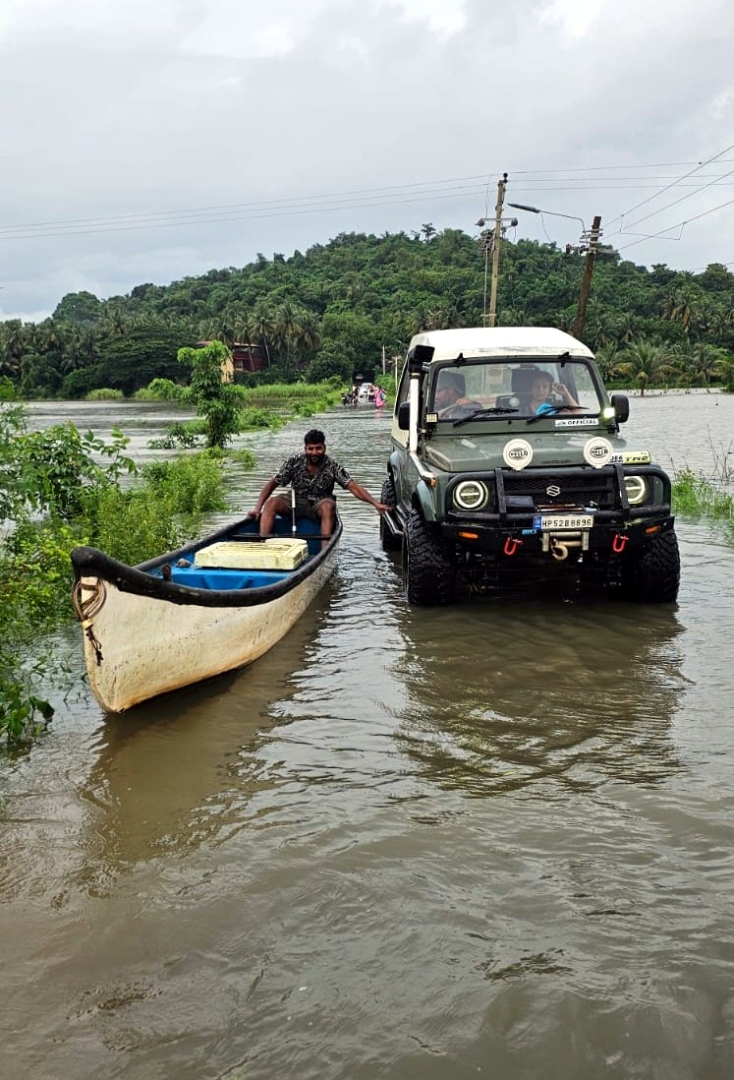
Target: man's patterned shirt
320, 485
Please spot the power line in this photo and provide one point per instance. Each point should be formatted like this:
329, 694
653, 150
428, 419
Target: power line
186, 216
702, 165
675, 202
453, 188
680, 225
253, 211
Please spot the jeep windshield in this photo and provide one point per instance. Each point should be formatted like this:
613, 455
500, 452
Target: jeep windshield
486, 389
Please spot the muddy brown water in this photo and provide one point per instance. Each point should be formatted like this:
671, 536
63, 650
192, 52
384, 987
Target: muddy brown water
490, 840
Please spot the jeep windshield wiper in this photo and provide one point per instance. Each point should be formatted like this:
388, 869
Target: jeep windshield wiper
497, 410
551, 411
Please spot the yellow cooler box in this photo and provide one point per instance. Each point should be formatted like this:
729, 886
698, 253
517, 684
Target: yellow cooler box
252, 555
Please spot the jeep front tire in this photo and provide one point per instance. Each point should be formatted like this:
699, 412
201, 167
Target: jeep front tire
651, 575
429, 564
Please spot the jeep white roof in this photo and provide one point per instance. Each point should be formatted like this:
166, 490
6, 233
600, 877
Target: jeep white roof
501, 341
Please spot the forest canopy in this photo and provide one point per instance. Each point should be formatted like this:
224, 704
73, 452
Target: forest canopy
341, 306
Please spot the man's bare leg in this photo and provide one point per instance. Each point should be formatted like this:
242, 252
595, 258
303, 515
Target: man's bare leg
273, 506
326, 513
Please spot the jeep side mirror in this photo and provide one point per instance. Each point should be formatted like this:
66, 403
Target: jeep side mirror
621, 405
404, 416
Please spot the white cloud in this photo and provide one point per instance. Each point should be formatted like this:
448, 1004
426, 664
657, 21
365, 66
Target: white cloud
575, 16
441, 17
124, 107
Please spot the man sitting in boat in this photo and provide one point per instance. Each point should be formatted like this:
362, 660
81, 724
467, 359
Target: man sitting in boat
312, 476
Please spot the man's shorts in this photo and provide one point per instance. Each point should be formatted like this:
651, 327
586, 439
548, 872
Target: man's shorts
307, 507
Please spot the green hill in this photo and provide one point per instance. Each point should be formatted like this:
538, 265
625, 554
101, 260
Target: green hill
335, 308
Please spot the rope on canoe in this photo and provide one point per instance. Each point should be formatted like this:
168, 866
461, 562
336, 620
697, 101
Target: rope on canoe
86, 607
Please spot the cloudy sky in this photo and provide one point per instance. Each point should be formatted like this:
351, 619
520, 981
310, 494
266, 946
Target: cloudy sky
147, 140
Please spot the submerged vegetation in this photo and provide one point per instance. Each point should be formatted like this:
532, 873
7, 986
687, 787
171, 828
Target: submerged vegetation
696, 497
60, 488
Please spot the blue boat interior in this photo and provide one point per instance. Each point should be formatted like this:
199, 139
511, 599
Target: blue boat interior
212, 578
201, 577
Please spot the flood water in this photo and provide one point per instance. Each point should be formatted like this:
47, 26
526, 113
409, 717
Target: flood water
488, 840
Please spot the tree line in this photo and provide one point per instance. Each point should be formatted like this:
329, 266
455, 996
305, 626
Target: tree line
340, 307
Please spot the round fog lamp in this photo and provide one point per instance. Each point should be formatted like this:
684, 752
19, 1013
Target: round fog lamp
471, 495
636, 489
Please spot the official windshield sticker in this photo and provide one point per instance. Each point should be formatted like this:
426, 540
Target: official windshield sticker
580, 421
517, 453
598, 452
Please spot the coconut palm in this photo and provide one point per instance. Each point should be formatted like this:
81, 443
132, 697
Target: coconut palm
262, 323
114, 323
644, 361
683, 306
705, 364
607, 359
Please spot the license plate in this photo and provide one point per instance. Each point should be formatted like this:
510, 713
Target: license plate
563, 522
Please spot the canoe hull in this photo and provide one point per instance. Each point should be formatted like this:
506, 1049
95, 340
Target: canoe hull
137, 646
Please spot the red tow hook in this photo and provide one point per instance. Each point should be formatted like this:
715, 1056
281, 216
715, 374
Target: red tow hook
511, 545
619, 543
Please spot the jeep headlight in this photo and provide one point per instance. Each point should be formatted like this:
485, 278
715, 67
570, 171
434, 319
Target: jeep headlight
471, 495
636, 489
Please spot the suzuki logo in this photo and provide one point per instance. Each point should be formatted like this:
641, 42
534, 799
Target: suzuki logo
553, 490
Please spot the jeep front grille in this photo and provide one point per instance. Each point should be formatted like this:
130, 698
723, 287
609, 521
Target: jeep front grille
588, 487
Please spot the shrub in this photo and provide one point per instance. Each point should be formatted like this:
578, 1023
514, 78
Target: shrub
104, 393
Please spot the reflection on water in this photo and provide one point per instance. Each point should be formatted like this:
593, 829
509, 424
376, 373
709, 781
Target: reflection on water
491, 840
510, 693
168, 774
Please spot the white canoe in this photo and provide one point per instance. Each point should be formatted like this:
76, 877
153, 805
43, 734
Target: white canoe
170, 622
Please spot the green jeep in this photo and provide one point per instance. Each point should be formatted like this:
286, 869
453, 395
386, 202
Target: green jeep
507, 465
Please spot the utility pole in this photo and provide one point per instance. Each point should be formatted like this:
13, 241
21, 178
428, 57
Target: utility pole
593, 244
496, 242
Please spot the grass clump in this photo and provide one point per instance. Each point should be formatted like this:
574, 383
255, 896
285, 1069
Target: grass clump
696, 497
104, 393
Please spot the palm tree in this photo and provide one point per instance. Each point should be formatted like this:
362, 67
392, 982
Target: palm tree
607, 360
262, 324
705, 364
80, 350
627, 328
16, 339
286, 329
603, 329
8, 363
309, 337
245, 331
644, 361
682, 306
114, 323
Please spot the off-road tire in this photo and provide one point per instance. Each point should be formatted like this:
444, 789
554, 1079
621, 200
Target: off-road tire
429, 565
389, 541
651, 574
